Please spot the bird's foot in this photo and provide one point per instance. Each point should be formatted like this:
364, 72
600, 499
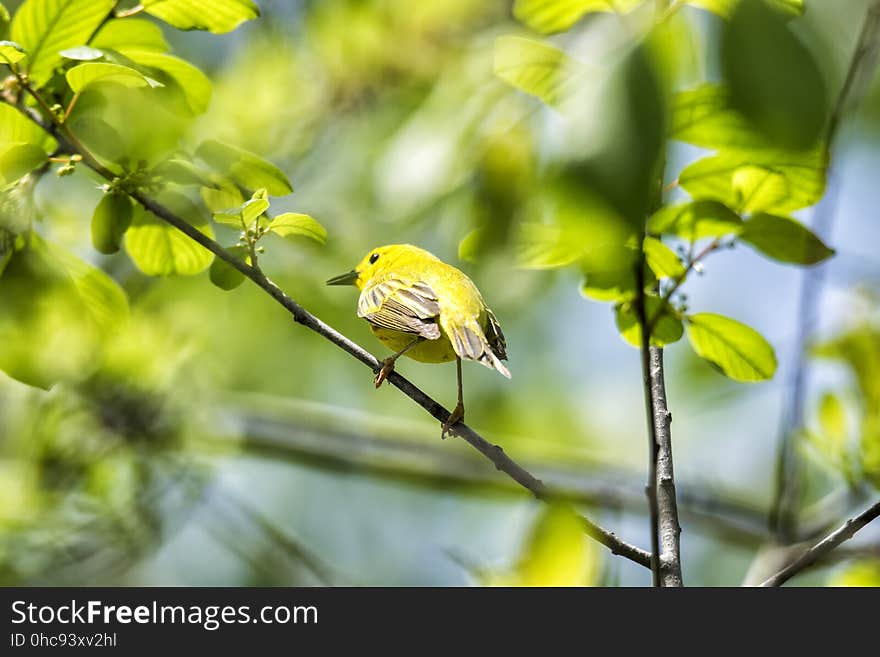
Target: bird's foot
387, 368
454, 418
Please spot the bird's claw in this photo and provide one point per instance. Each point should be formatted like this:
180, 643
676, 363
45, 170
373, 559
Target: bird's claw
454, 418
387, 368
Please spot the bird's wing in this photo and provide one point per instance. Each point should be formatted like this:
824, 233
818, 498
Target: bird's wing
401, 306
470, 342
494, 336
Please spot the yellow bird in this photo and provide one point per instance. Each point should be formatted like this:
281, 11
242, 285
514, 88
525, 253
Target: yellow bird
421, 307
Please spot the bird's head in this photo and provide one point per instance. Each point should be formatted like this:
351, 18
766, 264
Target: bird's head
378, 261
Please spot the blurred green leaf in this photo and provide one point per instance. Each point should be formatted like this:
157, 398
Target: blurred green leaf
244, 168
292, 224
159, 249
83, 75
11, 52
667, 329
174, 72
543, 246
772, 181
695, 221
46, 27
217, 16
832, 418
774, 79
218, 199
536, 68
183, 172
615, 285
111, 219
18, 160
703, 116
15, 129
725, 8
223, 275
55, 313
130, 33
739, 351
550, 16
784, 239
4, 21
662, 260
860, 573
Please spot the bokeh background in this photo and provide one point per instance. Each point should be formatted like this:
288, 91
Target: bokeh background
221, 444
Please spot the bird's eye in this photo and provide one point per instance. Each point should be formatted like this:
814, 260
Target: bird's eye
374, 258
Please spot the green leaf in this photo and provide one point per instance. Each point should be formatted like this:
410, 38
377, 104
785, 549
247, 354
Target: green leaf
784, 239
771, 181
244, 168
130, 33
46, 27
194, 85
217, 16
536, 68
82, 53
618, 285
56, 312
19, 160
218, 199
16, 129
159, 249
111, 219
864, 573
704, 117
182, 172
551, 16
224, 275
667, 329
83, 75
291, 224
4, 21
542, 246
736, 349
245, 214
662, 260
774, 79
725, 8
695, 221
832, 419
11, 52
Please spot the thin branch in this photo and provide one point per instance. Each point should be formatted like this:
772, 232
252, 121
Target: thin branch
493, 452
826, 545
670, 530
783, 513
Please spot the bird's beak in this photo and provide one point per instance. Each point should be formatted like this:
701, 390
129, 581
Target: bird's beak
348, 278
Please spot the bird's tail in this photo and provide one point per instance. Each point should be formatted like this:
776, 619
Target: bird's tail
470, 343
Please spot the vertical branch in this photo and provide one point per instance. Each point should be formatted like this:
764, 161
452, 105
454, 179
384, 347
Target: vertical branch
783, 511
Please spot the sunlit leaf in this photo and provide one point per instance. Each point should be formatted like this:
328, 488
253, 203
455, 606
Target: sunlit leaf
736, 349
225, 276
11, 52
772, 181
218, 199
111, 219
244, 168
46, 27
860, 573
536, 68
662, 260
216, 16
704, 117
550, 16
82, 53
667, 329
832, 418
130, 33
83, 75
774, 79
292, 224
18, 160
695, 221
159, 249
15, 129
784, 239
190, 81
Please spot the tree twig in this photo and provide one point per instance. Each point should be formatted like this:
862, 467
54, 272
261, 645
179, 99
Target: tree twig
492, 452
783, 512
826, 545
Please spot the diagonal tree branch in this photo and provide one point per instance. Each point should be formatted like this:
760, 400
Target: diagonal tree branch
826, 545
491, 451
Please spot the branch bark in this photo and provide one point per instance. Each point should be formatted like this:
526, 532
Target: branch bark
826, 545
300, 315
